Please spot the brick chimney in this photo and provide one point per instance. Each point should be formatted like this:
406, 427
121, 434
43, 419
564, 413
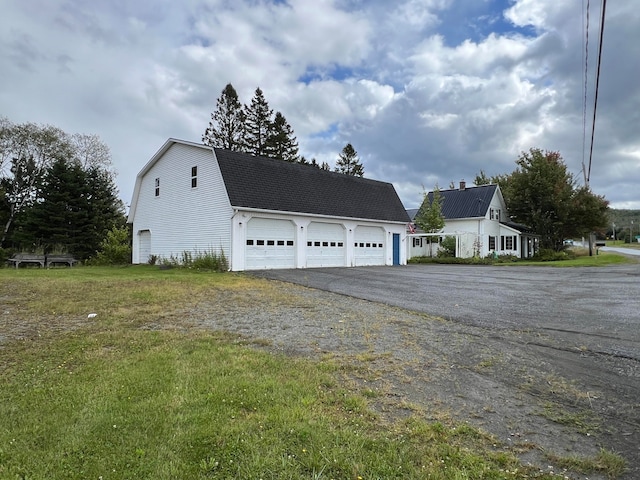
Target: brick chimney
463, 184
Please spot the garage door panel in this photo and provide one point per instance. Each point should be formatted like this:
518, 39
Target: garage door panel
325, 245
369, 246
270, 244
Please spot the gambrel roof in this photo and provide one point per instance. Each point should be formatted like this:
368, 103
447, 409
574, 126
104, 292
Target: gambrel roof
275, 185
269, 184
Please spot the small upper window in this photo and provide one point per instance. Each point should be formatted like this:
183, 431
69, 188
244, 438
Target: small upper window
194, 177
157, 187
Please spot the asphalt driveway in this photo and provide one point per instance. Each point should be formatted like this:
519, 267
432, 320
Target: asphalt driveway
599, 306
564, 339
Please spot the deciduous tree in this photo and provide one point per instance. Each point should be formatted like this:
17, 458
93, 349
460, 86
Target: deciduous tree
429, 217
31, 150
542, 194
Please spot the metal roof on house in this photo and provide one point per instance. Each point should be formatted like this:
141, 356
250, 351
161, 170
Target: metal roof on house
470, 202
269, 184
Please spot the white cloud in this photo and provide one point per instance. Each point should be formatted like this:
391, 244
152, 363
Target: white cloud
426, 93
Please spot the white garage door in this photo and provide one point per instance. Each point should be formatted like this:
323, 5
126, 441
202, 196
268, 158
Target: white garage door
325, 245
369, 246
269, 244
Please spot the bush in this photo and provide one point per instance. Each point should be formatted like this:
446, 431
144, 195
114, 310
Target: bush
115, 249
447, 247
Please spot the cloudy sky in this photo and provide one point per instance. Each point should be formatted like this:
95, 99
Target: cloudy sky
427, 91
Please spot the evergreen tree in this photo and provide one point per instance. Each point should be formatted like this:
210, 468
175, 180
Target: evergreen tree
226, 128
281, 143
28, 149
58, 218
74, 211
258, 124
349, 163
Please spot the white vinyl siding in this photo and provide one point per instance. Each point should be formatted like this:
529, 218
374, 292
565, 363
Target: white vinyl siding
176, 217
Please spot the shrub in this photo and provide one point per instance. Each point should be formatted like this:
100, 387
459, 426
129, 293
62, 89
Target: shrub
447, 247
115, 249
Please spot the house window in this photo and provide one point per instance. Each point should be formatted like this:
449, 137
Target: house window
509, 242
492, 243
194, 177
417, 241
157, 187
491, 214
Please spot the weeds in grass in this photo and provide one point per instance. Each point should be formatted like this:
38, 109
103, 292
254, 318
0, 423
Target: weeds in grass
115, 398
606, 462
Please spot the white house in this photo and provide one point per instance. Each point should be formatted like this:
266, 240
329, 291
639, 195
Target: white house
262, 213
478, 218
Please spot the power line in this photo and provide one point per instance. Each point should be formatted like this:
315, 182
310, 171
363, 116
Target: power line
595, 102
585, 29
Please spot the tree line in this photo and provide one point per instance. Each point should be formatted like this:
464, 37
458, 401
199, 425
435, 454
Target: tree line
57, 191
254, 128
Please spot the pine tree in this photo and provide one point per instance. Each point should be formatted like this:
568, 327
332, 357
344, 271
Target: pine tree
258, 124
349, 163
74, 210
226, 128
281, 143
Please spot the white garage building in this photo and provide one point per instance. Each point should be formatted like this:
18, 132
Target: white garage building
262, 213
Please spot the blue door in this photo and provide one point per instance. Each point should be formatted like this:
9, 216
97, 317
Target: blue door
396, 249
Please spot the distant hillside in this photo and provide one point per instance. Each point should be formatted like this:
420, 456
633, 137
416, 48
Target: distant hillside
622, 220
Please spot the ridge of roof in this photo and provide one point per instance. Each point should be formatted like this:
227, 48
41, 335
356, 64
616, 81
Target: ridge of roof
470, 202
272, 184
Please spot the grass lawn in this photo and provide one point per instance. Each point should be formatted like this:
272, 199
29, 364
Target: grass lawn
584, 260
117, 396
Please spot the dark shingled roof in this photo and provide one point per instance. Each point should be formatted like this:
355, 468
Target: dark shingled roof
468, 203
268, 184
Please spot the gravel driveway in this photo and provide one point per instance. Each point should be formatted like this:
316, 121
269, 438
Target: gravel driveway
546, 359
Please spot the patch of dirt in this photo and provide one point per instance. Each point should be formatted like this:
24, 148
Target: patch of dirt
503, 382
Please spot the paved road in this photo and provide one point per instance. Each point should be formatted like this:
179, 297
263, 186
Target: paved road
597, 306
626, 251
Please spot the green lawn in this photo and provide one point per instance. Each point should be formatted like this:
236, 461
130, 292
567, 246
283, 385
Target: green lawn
118, 397
584, 260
